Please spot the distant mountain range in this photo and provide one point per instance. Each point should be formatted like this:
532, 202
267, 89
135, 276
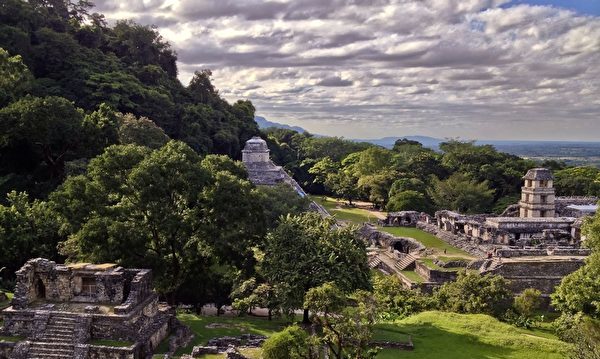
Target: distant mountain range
572, 152
264, 123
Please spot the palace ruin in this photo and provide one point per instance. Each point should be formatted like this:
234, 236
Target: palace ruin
533, 244
67, 311
263, 172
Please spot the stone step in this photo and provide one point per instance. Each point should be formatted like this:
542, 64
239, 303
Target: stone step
60, 330
374, 262
50, 350
405, 263
62, 321
56, 338
45, 337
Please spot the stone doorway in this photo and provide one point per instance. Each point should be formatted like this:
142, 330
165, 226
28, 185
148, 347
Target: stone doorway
400, 248
40, 289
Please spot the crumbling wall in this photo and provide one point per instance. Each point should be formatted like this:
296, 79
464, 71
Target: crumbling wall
434, 275
140, 288
370, 234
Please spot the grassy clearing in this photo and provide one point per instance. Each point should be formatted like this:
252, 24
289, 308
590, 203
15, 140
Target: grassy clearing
341, 211
429, 262
450, 259
412, 275
427, 239
252, 353
458, 336
206, 328
435, 335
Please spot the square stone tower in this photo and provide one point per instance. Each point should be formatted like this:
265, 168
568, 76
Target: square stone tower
537, 195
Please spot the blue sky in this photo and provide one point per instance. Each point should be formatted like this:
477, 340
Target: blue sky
588, 7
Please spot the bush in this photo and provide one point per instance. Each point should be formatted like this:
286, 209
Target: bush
520, 320
582, 331
291, 343
396, 302
474, 293
528, 302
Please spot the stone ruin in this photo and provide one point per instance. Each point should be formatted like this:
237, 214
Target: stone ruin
401, 219
61, 311
263, 172
533, 244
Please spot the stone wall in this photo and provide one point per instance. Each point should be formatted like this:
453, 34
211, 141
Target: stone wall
456, 240
125, 327
140, 288
106, 352
434, 275
370, 234
543, 275
18, 322
43, 279
538, 252
6, 349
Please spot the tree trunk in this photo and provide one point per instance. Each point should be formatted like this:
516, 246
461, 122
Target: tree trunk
270, 314
305, 318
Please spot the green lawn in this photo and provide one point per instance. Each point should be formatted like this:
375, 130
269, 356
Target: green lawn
10, 339
225, 326
412, 275
473, 336
429, 262
434, 334
345, 212
427, 239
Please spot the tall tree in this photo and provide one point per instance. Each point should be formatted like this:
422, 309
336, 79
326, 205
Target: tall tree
580, 290
306, 251
460, 193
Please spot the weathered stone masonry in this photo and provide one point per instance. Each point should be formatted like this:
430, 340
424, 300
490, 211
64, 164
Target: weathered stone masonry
60, 310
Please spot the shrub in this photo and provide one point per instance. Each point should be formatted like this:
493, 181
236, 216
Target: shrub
528, 302
291, 343
474, 293
396, 302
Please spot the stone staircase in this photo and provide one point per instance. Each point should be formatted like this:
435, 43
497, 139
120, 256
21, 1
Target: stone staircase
406, 262
57, 340
374, 262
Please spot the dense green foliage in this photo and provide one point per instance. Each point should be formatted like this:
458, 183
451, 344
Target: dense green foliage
306, 251
580, 290
394, 301
289, 343
474, 293
345, 322
528, 301
28, 229
578, 181
463, 177
59, 62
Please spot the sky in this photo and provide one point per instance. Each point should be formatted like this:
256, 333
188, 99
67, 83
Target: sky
468, 69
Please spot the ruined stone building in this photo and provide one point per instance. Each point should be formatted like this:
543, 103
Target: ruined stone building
66, 311
537, 195
263, 172
534, 247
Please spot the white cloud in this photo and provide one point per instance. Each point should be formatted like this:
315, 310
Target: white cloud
360, 68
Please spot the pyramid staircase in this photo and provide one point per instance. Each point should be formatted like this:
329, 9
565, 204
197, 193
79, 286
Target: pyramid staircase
57, 341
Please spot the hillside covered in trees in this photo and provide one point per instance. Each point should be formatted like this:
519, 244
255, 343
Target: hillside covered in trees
65, 75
